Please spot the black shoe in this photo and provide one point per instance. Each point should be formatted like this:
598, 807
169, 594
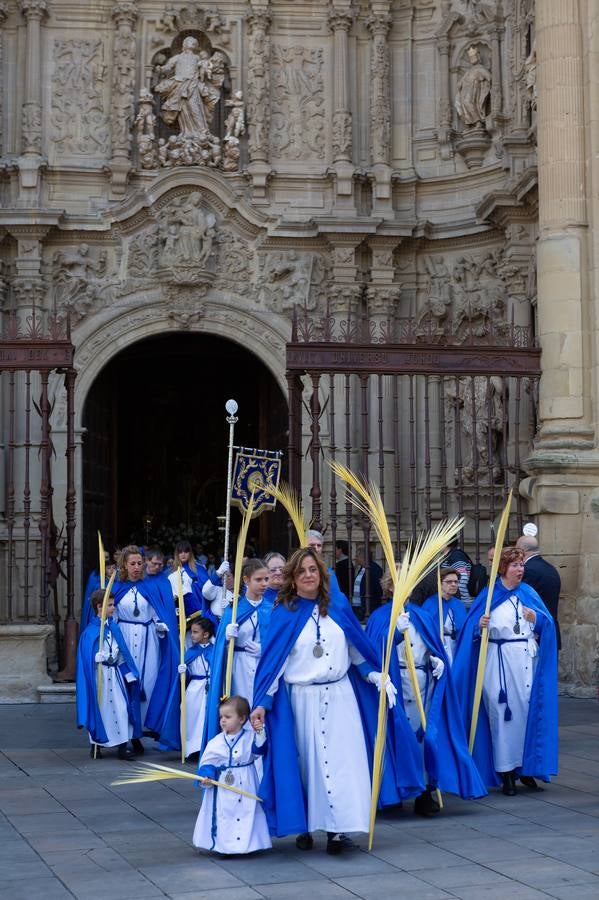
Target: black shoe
304, 841
124, 753
138, 747
426, 805
95, 752
509, 784
529, 782
339, 843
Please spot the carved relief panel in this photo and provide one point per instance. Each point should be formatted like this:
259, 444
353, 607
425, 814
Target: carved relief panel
298, 102
80, 126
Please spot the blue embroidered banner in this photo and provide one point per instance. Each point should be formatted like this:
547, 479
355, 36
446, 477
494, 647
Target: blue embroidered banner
255, 470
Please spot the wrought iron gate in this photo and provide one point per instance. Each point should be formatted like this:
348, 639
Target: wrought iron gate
441, 420
36, 553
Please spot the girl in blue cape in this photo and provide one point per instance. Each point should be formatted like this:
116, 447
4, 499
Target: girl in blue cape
516, 734
454, 611
146, 616
196, 668
93, 584
116, 719
317, 687
193, 575
444, 749
249, 632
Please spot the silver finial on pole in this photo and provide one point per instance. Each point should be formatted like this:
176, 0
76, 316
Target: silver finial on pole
231, 407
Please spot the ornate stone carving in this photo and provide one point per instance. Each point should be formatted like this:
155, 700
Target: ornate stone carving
258, 85
473, 91
194, 18
123, 84
479, 295
33, 9
78, 279
189, 88
438, 296
342, 134
184, 307
289, 277
78, 117
31, 127
145, 129
298, 113
234, 268
234, 129
480, 402
142, 258
530, 77
31, 113
380, 110
186, 240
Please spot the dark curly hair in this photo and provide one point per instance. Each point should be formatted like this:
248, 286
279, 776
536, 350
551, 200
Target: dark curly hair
288, 593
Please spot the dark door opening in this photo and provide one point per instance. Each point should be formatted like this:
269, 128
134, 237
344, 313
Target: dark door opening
155, 446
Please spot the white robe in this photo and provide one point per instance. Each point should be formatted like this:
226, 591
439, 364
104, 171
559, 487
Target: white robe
448, 641
241, 825
142, 640
195, 705
113, 706
519, 662
421, 656
328, 729
244, 664
185, 580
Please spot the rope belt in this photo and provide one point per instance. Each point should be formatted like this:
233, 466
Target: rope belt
502, 698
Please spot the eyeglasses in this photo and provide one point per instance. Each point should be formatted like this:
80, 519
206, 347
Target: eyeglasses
275, 569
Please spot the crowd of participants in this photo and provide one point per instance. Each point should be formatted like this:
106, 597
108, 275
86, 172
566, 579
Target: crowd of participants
299, 726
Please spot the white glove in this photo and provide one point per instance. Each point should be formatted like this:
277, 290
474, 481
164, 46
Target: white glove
161, 628
390, 689
182, 669
232, 631
223, 568
403, 620
252, 648
130, 678
101, 656
438, 666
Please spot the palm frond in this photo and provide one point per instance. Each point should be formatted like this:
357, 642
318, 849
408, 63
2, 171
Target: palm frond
143, 773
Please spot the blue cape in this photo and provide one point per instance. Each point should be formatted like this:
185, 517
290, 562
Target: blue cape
88, 614
271, 595
431, 606
170, 736
219, 659
88, 711
157, 594
281, 788
446, 757
541, 740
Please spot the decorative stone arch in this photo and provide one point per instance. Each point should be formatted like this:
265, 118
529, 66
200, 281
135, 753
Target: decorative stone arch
264, 335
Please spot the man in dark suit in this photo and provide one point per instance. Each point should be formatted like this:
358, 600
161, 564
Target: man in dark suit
344, 569
542, 576
367, 583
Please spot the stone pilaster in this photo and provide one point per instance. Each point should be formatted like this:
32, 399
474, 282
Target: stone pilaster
3, 17
258, 96
379, 24
30, 162
124, 15
28, 289
341, 19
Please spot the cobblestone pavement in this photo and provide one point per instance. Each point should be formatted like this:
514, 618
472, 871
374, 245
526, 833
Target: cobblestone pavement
65, 832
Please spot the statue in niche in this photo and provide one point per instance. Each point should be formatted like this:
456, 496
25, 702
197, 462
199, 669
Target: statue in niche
474, 88
480, 401
145, 129
189, 94
187, 237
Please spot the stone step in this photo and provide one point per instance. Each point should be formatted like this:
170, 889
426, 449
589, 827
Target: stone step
56, 693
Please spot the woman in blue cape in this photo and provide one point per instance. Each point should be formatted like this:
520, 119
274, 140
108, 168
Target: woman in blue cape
249, 632
193, 575
454, 611
516, 734
146, 616
317, 686
116, 719
446, 760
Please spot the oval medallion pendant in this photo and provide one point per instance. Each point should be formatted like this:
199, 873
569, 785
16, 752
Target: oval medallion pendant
317, 651
229, 778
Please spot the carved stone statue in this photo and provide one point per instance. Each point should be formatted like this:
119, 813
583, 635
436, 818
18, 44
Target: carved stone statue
77, 278
187, 236
438, 296
235, 121
474, 88
530, 74
480, 401
145, 129
189, 94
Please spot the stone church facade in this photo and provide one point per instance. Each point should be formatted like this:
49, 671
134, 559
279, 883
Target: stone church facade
179, 167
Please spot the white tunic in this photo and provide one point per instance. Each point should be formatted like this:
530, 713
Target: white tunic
113, 707
449, 642
241, 825
423, 676
245, 664
519, 657
185, 580
142, 639
195, 703
328, 728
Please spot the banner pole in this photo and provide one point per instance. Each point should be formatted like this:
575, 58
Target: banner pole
231, 407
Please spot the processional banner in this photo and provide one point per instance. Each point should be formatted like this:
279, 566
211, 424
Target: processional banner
255, 471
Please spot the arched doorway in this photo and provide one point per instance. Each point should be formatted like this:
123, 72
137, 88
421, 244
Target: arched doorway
155, 441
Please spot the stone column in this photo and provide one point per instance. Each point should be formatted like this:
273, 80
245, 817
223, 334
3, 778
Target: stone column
31, 114
258, 96
379, 24
124, 15
564, 489
27, 283
3, 18
341, 19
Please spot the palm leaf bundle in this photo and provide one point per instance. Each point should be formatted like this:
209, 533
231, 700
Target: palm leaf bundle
146, 772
